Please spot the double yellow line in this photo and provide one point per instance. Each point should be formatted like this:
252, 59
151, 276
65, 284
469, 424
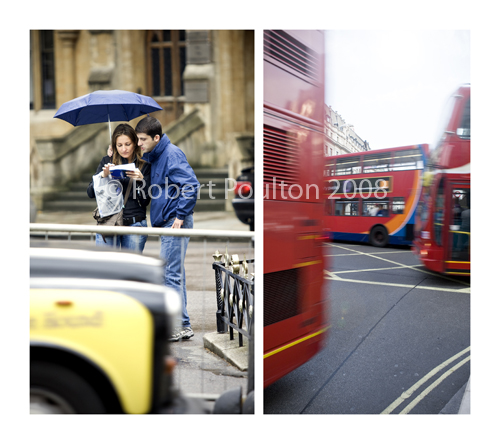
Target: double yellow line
408, 393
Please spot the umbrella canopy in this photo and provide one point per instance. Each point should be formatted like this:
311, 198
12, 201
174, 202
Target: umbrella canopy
106, 106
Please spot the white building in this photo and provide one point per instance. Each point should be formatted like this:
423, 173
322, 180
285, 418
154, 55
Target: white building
340, 137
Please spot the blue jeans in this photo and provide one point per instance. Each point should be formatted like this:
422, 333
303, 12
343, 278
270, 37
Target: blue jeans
126, 241
173, 251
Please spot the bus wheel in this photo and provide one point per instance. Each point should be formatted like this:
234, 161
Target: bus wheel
56, 389
379, 236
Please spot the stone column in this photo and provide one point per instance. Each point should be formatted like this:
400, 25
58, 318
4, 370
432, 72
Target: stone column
102, 49
65, 69
199, 92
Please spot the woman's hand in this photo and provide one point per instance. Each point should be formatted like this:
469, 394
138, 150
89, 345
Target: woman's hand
110, 151
136, 174
105, 169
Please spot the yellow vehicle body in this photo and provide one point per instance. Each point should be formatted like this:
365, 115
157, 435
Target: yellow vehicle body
110, 329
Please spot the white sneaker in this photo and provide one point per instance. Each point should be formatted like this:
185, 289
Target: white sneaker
184, 333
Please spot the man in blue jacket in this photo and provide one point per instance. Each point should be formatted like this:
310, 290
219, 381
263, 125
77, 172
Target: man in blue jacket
174, 189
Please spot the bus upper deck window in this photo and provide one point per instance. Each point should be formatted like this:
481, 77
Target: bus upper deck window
349, 165
407, 160
463, 131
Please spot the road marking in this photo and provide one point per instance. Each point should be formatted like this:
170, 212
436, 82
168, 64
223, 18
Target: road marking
422, 395
404, 266
371, 269
330, 275
407, 394
359, 252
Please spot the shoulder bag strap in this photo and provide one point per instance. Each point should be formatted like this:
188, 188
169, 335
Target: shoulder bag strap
128, 192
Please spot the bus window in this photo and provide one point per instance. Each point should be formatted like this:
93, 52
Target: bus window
376, 208
408, 160
398, 205
442, 127
463, 130
329, 169
460, 227
377, 162
439, 214
349, 165
346, 207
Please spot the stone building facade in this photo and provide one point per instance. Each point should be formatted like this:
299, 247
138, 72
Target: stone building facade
202, 79
340, 137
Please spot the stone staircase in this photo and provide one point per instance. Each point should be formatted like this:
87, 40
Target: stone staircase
211, 199
75, 199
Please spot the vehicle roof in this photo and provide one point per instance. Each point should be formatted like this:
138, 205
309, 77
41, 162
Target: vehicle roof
94, 264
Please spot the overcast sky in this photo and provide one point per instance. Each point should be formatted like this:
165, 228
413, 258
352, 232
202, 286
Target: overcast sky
393, 85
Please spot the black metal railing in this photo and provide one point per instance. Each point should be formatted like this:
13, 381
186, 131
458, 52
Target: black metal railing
235, 295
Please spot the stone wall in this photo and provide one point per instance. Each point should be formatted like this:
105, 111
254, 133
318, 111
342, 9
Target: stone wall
60, 161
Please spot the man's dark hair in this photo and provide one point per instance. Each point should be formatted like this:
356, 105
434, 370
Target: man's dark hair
150, 126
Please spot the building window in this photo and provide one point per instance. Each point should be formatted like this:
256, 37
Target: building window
47, 69
166, 52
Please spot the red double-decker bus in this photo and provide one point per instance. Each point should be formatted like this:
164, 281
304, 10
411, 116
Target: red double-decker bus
442, 226
372, 196
294, 305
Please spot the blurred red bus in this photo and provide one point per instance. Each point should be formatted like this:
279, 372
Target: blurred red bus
442, 227
294, 306
372, 196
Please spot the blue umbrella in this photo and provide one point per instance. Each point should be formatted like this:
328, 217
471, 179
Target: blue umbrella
106, 106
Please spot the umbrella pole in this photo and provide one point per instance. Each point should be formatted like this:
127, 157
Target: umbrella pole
109, 124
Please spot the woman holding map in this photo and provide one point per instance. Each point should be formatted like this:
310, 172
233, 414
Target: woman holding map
127, 166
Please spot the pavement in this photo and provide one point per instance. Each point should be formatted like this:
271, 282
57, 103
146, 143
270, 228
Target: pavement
460, 403
217, 343
465, 404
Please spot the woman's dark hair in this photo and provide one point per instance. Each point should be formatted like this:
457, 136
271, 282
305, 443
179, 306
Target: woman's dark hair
150, 126
124, 129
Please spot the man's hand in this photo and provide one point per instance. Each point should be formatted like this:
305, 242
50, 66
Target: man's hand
177, 223
136, 174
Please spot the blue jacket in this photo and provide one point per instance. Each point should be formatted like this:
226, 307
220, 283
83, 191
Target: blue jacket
174, 186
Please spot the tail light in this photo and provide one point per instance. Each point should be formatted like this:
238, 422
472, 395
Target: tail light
243, 190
